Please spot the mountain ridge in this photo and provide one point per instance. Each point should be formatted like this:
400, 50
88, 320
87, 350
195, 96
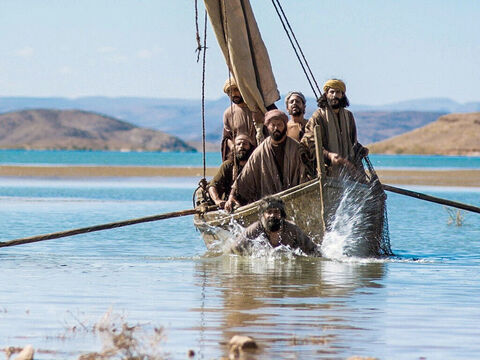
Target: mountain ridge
78, 129
452, 134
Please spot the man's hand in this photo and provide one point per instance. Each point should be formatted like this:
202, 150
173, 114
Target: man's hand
231, 204
220, 203
337, 160
364, 152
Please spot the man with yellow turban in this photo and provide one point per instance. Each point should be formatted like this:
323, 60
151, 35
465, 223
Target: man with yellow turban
239, 119
341, 151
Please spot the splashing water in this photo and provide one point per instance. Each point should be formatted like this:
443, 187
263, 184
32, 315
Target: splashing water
353, 229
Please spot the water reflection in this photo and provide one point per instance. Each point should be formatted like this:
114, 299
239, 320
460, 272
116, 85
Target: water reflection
299, 305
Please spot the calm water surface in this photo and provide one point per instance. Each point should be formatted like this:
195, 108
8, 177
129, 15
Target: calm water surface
424, 303
59, 157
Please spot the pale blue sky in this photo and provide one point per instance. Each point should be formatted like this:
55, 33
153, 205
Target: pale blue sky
387, 51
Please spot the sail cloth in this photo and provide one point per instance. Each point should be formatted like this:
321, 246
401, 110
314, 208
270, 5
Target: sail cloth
244, 50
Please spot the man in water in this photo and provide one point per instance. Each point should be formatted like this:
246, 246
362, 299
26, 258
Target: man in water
341, 150
239, 119
295, 103
275, 165
273, 227
220, 186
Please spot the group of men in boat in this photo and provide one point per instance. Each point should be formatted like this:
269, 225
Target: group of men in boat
264, 154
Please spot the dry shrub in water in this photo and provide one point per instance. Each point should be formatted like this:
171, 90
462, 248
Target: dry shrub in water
125, 342
455, 216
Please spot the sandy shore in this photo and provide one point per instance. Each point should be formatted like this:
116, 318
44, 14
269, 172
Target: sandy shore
469, 178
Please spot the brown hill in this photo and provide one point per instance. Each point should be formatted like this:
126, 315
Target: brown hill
74, 129
452, 134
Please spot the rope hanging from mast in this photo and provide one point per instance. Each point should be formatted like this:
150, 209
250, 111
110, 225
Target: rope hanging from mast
297, 48
199, 50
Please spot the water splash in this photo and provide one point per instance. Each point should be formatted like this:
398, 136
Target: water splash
353, 228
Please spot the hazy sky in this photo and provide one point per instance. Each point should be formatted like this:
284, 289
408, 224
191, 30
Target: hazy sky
386, 50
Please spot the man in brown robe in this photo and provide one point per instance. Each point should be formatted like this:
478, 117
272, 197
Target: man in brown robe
274, 166
273, 228
341, 150
239, 119
220, 186
295, 103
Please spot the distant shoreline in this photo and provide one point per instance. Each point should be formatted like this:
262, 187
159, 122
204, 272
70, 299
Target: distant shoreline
436, 177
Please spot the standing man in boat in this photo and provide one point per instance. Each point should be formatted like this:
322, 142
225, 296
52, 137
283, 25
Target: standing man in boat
341, 150
275, 165
220, 186
273, 227
295, 103
239, 119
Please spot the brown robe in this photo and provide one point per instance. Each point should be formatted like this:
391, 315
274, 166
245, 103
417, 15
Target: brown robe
261, 177
223, 179
296, 130
339, 134
240, 120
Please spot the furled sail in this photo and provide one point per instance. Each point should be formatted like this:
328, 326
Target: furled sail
245, 53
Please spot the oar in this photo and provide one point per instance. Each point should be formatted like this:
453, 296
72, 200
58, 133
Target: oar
113, 225
430, 198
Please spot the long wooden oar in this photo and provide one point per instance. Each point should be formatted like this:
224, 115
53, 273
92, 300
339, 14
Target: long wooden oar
430, 198
113, 225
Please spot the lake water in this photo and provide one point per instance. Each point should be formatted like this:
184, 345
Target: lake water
424, 303
59, 157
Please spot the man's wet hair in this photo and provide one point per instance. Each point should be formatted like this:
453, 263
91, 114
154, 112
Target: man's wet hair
272, 202
323, 102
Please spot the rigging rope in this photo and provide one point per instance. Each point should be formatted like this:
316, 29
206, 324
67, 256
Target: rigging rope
199, 50
203, 95
285, 23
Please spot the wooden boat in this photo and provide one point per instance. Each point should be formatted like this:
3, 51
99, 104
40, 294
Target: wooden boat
324, 204
320, 206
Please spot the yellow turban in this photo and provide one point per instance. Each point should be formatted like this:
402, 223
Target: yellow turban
334, 84
229, 84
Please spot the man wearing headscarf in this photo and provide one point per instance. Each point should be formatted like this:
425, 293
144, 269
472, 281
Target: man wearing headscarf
275, 165
239, 119
341, 150
220, 186
295, 103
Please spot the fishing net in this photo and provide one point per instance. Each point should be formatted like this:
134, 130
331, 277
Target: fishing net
377, 191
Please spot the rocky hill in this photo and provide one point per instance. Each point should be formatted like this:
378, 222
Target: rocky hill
452, 134
74, 129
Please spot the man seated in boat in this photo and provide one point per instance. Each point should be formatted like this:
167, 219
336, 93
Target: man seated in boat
239, 119
273, 228
295, 103
275, 165
341, 151
220, 186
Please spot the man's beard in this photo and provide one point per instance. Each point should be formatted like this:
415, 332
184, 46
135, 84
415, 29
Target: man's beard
335, 105
273, 224
237, 100
278, 135
242, 155
296, 112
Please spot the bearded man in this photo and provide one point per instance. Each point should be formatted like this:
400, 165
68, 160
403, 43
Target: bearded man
220, 186
273, 228
239, 119
341, 149
295, 103
275, 165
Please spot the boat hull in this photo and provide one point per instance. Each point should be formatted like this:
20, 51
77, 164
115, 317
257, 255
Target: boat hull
346, 205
